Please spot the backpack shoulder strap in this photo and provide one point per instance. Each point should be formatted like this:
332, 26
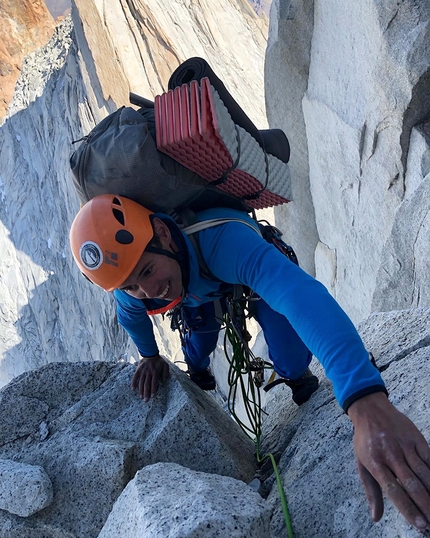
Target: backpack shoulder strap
210, 223
193, 230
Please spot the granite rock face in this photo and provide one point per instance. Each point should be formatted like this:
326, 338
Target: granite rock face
90, 433
314, 442
360, 159
179, 466
136, 46
286, 72
350, 86
211, 506
49, 312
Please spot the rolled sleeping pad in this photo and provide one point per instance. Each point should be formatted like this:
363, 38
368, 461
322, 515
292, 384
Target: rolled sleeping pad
198, 68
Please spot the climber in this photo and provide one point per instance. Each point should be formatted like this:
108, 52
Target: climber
151, 265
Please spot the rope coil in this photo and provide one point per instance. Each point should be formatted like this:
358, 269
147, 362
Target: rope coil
247, 373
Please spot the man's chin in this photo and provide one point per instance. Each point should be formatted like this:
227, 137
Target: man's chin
171, 299
174, 293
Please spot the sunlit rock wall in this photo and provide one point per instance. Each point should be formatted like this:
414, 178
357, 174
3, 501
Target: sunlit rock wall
350, 84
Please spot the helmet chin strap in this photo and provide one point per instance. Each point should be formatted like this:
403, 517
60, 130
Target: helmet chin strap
163, 252
178, 258
179, 253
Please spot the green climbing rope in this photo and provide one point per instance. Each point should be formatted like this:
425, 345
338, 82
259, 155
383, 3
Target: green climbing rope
245, 374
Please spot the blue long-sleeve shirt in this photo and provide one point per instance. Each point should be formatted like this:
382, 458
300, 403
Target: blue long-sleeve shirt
236, 254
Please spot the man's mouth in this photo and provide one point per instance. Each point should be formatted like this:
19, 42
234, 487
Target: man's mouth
164, 293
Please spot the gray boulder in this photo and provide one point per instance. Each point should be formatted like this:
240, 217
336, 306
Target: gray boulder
314, 442
181, 459
24, 489
90, 432
166, 500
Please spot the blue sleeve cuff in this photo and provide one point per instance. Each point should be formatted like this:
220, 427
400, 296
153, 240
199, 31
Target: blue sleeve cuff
361, 393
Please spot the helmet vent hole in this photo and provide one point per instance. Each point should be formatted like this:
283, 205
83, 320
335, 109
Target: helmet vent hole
124, 237
116, 201
119, 215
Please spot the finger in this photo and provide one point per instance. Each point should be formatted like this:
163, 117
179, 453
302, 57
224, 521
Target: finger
373, 492
147, 390
423, 449
416, 481
144, 384
423, 453
401, 498
154, 385
136, 377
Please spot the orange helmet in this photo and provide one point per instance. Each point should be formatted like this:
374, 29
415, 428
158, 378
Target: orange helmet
108, 237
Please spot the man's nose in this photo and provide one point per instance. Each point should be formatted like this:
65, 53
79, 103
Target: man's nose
148, 289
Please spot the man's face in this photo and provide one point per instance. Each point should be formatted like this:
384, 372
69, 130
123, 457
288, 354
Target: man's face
156, 276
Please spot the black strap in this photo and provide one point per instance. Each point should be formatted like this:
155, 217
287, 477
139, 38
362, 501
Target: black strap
204, 269
161, 251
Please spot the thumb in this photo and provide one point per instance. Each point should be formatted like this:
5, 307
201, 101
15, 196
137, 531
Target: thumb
373, 492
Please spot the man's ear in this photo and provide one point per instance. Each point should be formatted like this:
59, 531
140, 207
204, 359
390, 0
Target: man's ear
162, 231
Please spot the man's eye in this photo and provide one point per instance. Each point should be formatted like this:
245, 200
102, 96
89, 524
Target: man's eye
147, 272
129, 288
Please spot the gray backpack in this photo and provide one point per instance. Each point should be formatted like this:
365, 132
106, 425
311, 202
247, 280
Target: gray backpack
119, 156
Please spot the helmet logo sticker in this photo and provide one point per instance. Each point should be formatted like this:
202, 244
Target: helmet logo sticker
111, 258
91, 255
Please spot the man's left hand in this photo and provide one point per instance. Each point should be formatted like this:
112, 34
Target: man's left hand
149, 373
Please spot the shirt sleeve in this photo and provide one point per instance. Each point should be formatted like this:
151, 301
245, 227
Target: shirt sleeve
237, 255
133, 317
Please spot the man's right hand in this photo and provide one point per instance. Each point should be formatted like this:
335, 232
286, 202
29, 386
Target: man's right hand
149, 372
